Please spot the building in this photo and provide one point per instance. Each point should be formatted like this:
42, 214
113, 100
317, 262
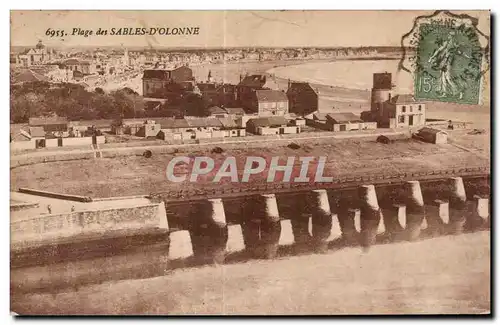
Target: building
170, 126
36, 132
149, 129
127, 126
50, 124
347, 122
431, 135
338, 122
402, 111
268, 103
204, 123
79, 66
218, 94
245, 90
35, 137
34, 56
216, 111
232, 128
199, 128
303, 99
381, 91
235, 111
167, 83
271, 125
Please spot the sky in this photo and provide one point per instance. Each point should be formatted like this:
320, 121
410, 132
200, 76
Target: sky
223, 28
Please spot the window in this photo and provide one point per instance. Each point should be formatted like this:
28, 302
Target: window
411, 108
420, 108
403, 109
401, 118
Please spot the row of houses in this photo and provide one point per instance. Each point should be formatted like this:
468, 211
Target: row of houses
206, 127
44, 132
253, 93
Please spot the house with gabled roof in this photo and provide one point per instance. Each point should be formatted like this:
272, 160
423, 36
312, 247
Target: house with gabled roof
50, 124
336, 122
271, 125
303, 98
402, 111
267, 102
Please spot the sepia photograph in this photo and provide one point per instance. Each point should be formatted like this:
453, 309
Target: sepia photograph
250, 162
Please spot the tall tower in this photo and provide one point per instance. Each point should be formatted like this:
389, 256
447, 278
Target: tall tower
381, 91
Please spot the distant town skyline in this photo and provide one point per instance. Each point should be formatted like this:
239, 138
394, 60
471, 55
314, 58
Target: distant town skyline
220, 29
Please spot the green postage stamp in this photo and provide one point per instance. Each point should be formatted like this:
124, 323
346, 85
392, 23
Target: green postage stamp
444, 52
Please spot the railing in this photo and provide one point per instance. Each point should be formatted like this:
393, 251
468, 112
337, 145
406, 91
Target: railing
344, 182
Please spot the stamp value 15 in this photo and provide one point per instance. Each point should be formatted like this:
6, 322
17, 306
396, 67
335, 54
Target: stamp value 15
448, 58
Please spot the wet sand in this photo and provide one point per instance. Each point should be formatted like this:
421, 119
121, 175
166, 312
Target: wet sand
444, 275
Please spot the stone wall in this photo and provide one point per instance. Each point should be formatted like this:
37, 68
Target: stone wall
91, 223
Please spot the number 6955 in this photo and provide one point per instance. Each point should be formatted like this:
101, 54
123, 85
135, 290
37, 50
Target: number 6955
54, 33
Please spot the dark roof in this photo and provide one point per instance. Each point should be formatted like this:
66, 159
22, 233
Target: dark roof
269, 121
207, 86
343, 117
228, 122
40, 45
37, 131
430, 131
270, 96
235, 110
254, 81
300, 86
204, 122
403, 99
156, 74
216, 110
172, 123
319, 116
160, 73
40, 121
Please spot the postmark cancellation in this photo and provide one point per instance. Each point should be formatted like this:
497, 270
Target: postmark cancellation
448, 56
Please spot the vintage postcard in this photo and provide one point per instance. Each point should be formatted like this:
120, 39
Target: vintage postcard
250, 162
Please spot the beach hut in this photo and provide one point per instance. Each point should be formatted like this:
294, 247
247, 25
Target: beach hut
431, 135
